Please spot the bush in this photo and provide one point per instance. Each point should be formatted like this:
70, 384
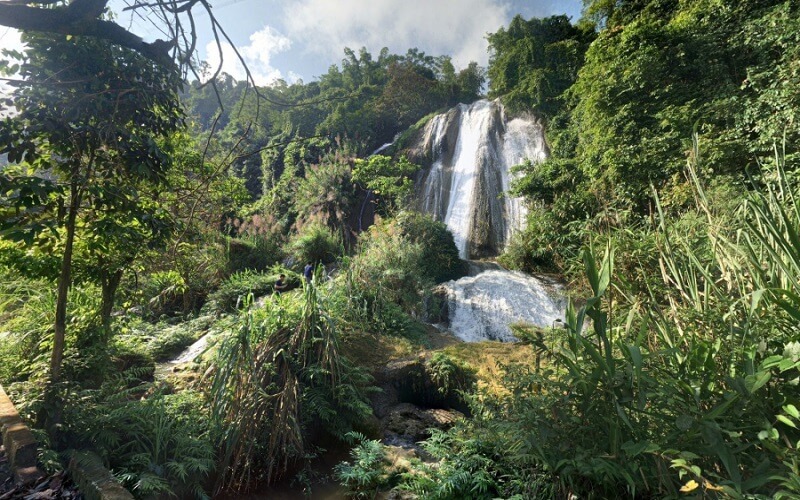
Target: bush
439, 259
165, 293
317, 244
157, 445
282, 362
230, 295
389, 270
253, 253
181, 285
27, 312
534, 248
368, 472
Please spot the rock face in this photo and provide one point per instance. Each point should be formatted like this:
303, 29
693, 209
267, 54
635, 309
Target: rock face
470, 150
411, 402
409, 422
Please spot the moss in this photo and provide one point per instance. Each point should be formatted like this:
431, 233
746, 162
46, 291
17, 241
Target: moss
488, 358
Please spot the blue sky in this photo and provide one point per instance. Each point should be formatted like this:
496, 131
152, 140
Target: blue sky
300, 39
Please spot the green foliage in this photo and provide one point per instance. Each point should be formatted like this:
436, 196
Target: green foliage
26, 314
25, 308
273, 137
367, 474
255, 253
678, 381
30, 262
317, 244
278, 375
157, 446
87, 147
646, 84
157, 341
164, 291
770, 114
388, 270
388, 179
533, 62
233, 293
326, 195
468, 467
450, 375
439, 260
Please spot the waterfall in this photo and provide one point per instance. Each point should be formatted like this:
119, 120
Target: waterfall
472, 149
482, 306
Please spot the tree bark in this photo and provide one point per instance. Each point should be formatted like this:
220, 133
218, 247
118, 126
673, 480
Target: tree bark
64, 282
81, 18
110, 284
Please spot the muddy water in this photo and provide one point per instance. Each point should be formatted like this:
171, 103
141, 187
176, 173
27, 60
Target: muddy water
323, 487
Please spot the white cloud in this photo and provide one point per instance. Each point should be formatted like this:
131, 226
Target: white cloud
264, 44
10, 40
454, 27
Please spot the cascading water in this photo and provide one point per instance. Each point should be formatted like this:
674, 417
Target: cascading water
472, 149
483, 306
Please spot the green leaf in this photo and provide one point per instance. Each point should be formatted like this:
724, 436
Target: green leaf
785, 420
592, 275
792, 410
771, 361
757, 381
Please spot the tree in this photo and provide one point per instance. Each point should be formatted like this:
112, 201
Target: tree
326, 194
388, 179
86, 18
533, 62
85, 136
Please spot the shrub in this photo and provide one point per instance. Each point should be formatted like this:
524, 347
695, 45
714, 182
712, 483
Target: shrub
157, 445
368, 473
165, 292
253, 253
27, 312
388, 270
316, 243
283, 364
439, 259
231, 294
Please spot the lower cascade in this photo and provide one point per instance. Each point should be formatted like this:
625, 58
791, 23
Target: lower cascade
484, 305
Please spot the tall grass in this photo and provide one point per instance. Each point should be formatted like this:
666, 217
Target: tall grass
279, 374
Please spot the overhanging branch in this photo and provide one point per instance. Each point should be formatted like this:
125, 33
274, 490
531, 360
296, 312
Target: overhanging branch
81, 17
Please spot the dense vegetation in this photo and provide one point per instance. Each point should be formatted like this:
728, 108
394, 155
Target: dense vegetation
669, 201
672, 156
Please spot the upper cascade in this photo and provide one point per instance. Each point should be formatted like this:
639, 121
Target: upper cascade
471, 149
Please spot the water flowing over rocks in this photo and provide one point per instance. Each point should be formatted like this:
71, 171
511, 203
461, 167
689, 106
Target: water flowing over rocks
482, 306
470, 150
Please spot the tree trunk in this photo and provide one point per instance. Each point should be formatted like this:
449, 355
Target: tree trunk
50, 415
64, 282
110, 284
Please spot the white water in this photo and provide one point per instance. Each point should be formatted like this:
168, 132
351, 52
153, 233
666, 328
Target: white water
524, 139
471, 145
482, 307
473, 148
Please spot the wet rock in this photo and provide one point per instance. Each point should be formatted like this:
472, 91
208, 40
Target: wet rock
413, 380
392, 379
412, 422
